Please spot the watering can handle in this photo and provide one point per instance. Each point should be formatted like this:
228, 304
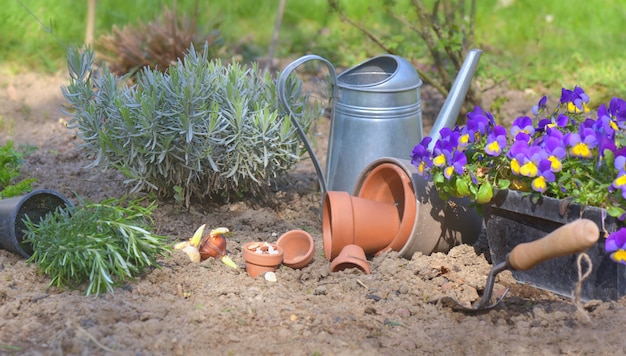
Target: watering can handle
282, 96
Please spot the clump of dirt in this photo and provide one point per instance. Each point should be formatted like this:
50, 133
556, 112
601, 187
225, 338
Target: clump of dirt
184, 308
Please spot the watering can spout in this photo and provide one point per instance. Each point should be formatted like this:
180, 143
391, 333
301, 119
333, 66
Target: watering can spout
452, 106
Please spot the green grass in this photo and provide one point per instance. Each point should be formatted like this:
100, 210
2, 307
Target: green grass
557, 43
552, 43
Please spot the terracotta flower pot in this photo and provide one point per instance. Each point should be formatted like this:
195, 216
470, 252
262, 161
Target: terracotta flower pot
298, 247
422, 222
427, 223
262, 257
368, 223
351, 256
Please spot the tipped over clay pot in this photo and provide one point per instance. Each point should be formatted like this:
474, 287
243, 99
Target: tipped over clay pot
351, 256
383, 218
407, 214
262, 257
427, 223
298, 248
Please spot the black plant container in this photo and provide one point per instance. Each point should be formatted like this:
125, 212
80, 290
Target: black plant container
513, 217
13, 211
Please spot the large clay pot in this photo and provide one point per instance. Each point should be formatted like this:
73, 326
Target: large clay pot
435, 225
368, 223
426, 223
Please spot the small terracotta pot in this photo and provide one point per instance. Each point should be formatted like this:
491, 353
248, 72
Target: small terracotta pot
346, 220
351, 256
259, 260
298, 247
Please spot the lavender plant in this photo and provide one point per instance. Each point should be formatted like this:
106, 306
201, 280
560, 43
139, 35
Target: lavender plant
199, 129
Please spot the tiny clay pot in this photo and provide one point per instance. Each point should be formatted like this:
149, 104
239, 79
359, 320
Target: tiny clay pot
262, 257
298, 247
351, 256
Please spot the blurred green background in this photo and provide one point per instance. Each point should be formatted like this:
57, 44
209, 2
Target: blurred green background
528, 44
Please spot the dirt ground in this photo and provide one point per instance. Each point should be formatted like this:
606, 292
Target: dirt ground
208, 308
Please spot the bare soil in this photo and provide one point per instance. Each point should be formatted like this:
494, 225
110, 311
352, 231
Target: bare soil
208, 308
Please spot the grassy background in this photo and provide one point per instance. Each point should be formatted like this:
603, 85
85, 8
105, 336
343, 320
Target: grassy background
545, 44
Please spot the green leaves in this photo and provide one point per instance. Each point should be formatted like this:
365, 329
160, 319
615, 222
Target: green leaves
10, 162
206, 128
485, 193
103, 244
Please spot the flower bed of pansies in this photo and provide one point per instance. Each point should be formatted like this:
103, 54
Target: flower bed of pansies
568, 152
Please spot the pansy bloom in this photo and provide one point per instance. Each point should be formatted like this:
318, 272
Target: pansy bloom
620, 183
541, 105
420, 157
615, 244
457, 162
564, 153
477, 123
522, 129
544, 176
617, 111
576, 100
555, 150
582, 142
496, 141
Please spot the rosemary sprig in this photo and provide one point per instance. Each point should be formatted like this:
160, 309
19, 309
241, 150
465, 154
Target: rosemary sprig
104, 243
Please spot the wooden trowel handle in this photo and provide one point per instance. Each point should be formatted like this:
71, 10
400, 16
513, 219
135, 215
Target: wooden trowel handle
568, 239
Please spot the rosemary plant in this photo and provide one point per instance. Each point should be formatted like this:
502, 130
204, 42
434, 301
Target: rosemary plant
103, 243
198, 129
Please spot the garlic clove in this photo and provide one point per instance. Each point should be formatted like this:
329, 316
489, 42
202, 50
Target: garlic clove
181, 245
192, 252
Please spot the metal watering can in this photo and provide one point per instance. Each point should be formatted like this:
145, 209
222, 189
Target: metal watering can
377, 112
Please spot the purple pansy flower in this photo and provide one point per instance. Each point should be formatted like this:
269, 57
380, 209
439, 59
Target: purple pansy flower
617, 110
544, 176
458, 160
496, 141
522, 129
615, 244
620, 182
577, 97
420, 157
555, 148
478, 122
582, 142
560, 121
541, 105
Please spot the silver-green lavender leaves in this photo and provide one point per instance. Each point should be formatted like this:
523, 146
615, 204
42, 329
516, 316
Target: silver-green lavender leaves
199, 129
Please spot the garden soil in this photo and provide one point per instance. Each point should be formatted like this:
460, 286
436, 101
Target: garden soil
207, 308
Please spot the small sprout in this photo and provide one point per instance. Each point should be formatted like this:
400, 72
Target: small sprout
229, 262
